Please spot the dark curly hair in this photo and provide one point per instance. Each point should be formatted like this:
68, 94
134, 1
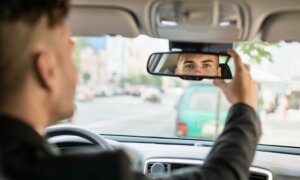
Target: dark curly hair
31, 10
18, 19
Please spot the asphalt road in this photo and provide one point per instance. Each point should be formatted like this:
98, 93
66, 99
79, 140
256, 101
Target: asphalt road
127, 115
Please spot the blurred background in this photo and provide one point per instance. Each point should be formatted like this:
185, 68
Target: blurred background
115, 94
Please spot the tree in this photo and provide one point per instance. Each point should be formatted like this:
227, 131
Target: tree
80, 43
256, 50
86, 77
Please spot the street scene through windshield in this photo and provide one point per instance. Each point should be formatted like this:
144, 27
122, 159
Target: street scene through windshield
115, 94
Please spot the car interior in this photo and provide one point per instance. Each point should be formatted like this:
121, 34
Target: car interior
191, 22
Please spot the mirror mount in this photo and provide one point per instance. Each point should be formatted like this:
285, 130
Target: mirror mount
225, 71
200, 47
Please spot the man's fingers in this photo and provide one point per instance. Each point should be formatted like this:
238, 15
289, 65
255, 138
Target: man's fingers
247, 67
237, 60
220, 83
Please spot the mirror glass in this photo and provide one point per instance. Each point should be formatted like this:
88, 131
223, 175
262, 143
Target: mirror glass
190, 65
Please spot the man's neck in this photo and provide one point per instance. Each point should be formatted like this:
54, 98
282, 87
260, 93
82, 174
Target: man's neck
38, 124
29, 111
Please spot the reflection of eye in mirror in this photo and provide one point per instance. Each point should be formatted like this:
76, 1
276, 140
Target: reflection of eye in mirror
184, 64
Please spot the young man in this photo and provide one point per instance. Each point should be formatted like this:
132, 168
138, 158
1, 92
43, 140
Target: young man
38, 79
198, 64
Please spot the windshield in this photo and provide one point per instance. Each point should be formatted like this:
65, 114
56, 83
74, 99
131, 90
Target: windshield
115, 94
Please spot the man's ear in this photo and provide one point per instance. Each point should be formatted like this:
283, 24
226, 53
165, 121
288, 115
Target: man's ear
45, 70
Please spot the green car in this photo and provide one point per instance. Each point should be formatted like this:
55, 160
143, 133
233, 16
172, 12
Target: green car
201, 112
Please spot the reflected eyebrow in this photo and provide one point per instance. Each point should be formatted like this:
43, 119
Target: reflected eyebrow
207, 61
188, 61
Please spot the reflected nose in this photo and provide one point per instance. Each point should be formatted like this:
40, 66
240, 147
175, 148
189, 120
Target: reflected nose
198, 71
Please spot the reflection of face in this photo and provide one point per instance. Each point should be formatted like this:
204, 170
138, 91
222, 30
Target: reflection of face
198, 64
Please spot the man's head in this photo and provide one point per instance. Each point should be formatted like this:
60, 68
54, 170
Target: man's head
35, 55
198, 64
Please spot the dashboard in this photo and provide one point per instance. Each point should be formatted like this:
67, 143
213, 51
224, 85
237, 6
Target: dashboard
163, 166
154, 157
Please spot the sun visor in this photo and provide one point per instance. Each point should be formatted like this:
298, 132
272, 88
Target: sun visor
283, 26
87, 21
200, 21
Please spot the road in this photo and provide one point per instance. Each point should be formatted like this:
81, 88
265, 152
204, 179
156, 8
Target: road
127, 115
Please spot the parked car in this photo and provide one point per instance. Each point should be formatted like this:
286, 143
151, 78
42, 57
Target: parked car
151, 95
133, 90
84, 94
102, 90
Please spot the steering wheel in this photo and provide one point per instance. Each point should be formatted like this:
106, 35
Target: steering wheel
60, 130
71, 130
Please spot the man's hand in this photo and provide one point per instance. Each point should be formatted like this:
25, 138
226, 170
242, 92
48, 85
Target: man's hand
242, 88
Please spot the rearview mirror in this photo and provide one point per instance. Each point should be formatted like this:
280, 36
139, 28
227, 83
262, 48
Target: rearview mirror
190, 65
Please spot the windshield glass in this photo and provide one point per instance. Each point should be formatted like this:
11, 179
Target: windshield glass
115, 94
197, 99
